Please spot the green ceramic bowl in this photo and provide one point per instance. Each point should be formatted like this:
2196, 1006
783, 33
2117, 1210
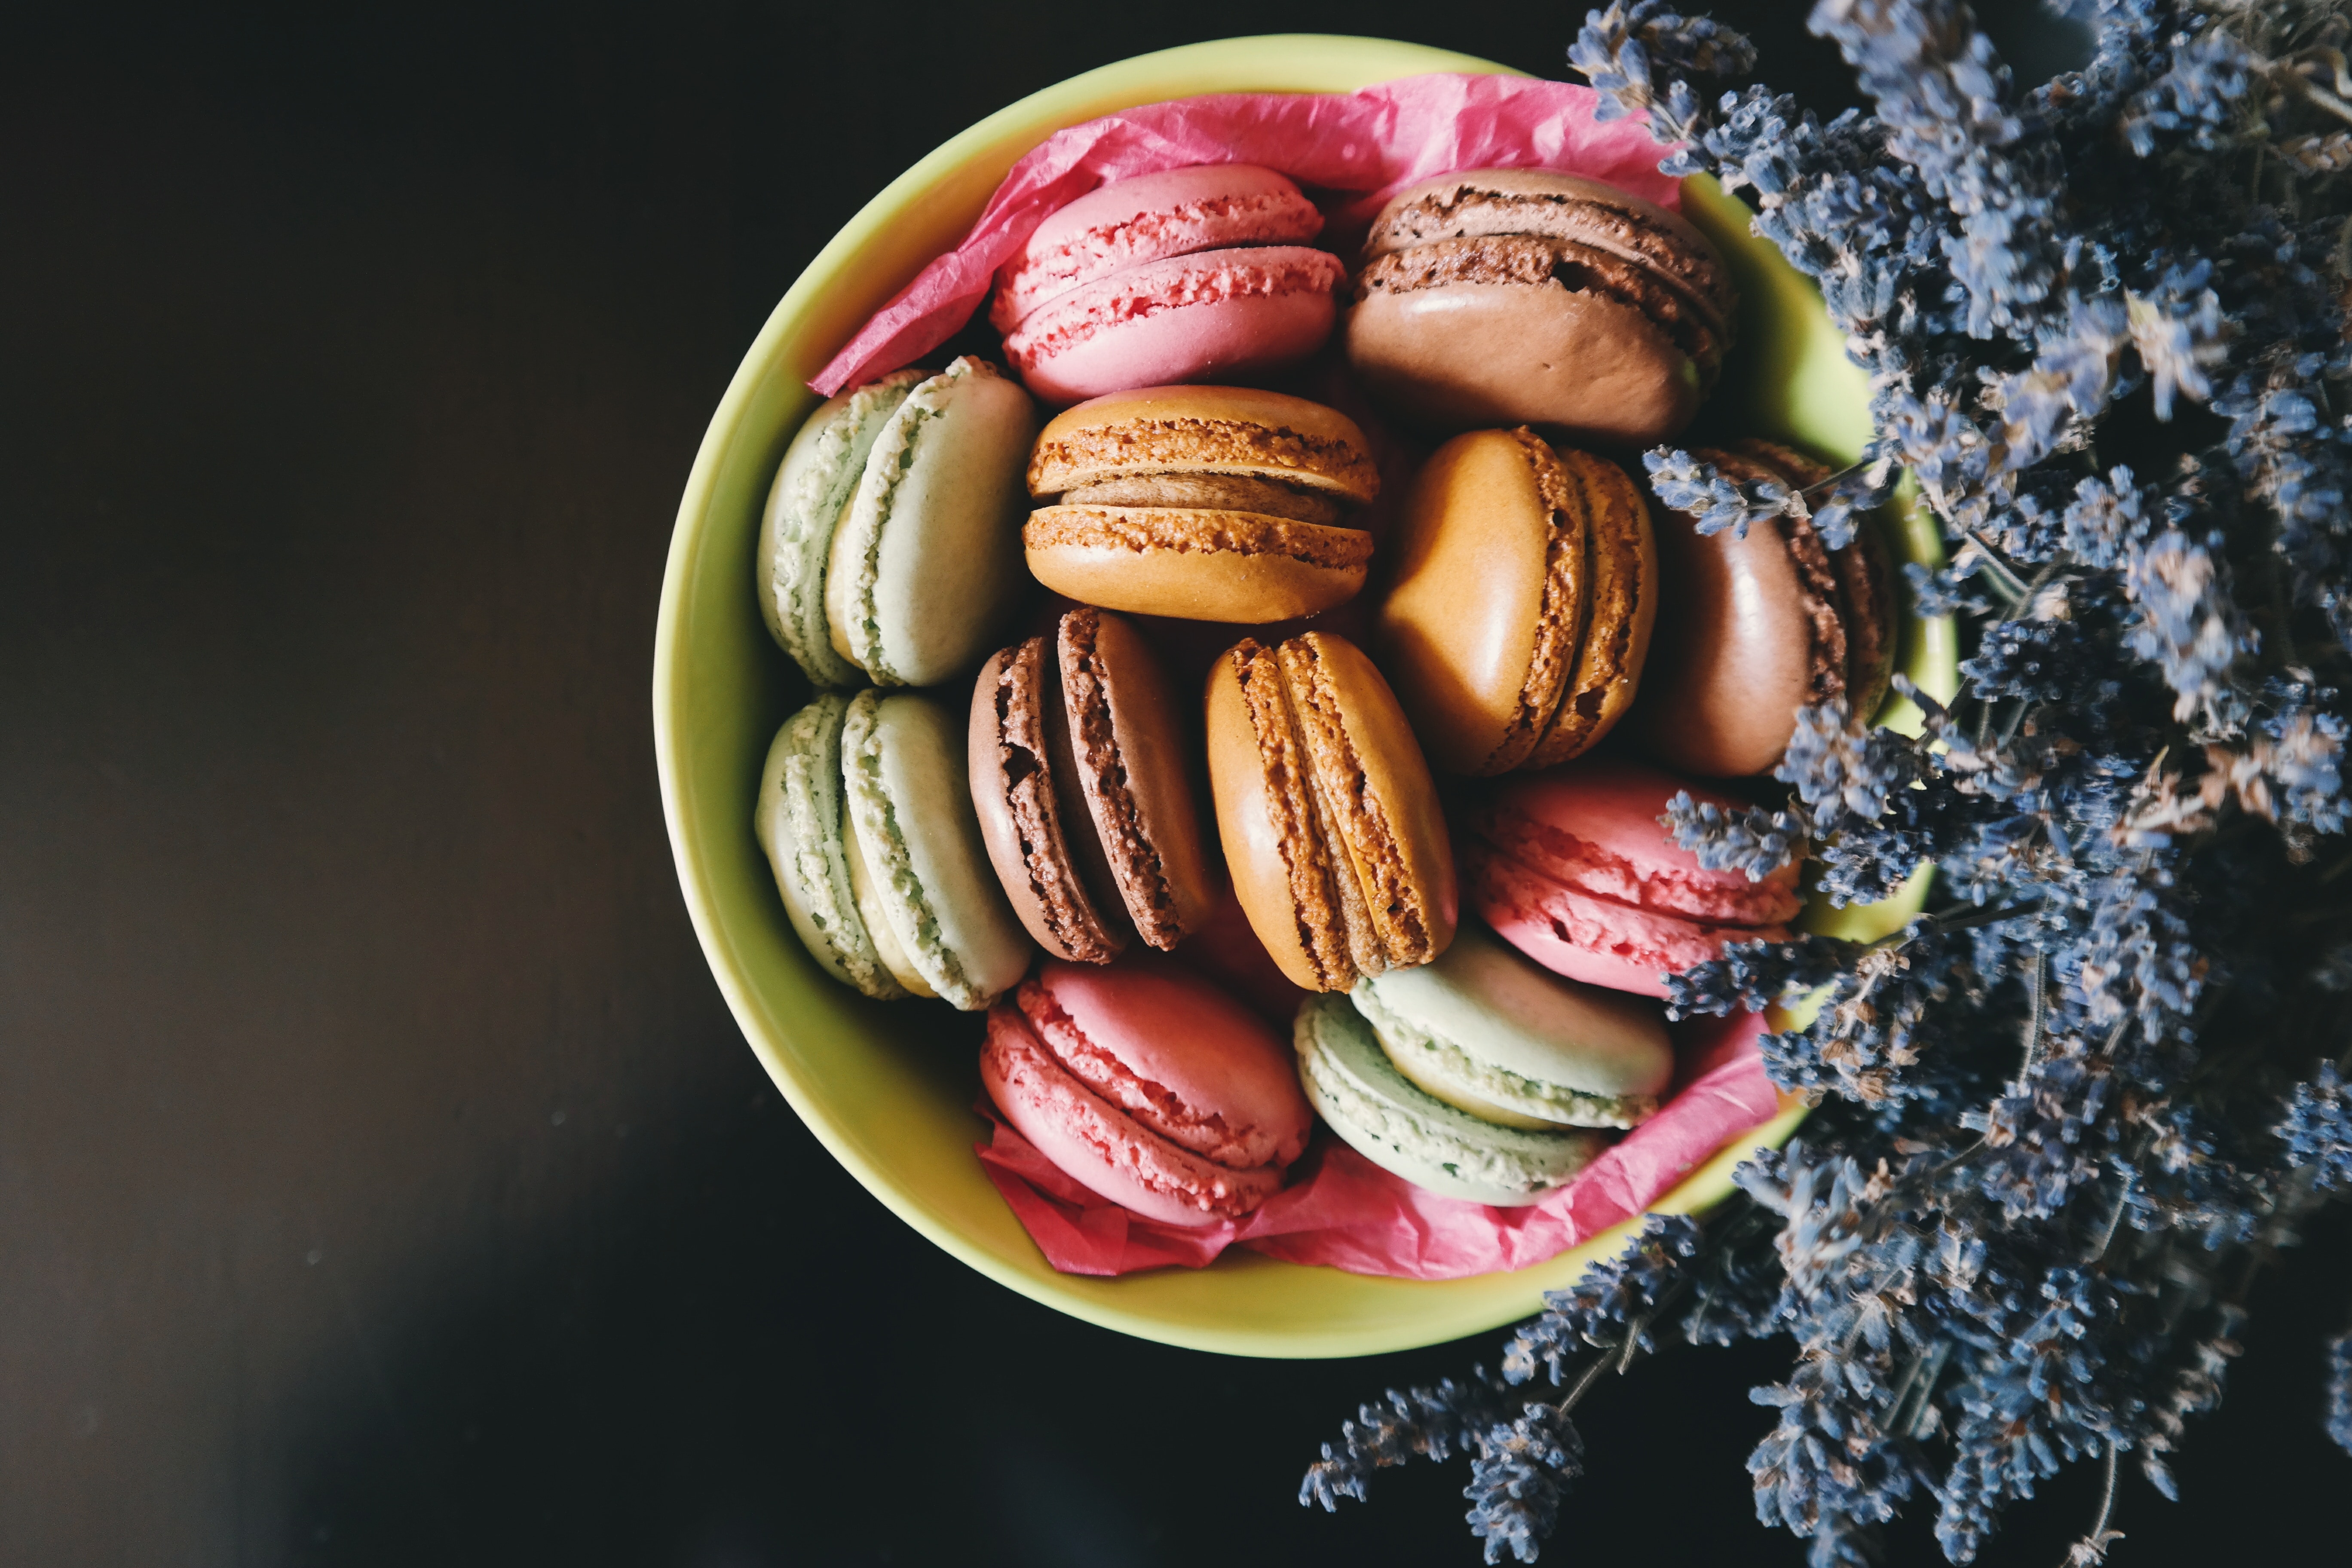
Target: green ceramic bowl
888, 1088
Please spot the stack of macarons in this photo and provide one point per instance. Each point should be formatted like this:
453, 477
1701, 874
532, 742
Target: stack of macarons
1025, 785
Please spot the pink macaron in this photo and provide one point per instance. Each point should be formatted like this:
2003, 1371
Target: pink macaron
1148, 1086
1188, 276
1574, 868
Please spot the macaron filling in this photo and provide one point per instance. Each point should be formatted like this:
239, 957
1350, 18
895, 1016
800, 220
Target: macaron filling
1447, 1072
1195, 532
1208, 493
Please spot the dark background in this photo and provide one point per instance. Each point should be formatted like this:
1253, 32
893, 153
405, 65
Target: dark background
382, 1179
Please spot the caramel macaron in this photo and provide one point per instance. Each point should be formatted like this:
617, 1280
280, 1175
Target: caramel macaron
1206, 503
1518, 617
1752, 628
1081, 772
1521, 296
1331, 821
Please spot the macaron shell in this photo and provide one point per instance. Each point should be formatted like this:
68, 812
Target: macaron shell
1594, 826
1204, 429
1180, 1056
1463, 355
927, 566
1621, 618
1221, 315
1590, 938
800, 824
1149, 218
1195, 564
1101, 1148
905, 773
814, 485
1373, 1108
1490, 1003
1135, 767
1474, 595
1032, 815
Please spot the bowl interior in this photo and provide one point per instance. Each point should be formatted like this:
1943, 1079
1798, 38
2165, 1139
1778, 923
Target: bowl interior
888, 1088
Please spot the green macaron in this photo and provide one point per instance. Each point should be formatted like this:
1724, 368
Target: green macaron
1488, 1031
925, 566
1358, 1091
813, 486
867, 821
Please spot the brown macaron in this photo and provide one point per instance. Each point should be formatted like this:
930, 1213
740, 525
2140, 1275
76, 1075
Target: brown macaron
1752, 628
1207, 503
1521, 296
1331, 821
1081, 773
1519, 615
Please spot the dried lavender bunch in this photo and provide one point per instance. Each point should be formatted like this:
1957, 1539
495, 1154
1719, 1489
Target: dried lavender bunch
2067, 1117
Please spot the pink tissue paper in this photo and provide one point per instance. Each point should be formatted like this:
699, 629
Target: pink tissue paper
1342, 1210
1351, 151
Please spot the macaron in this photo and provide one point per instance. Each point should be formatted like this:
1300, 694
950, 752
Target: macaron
1752, 628
1081, 767
1207, 503
868, 826
1396, 1125
1330, 822
1485, 1030
1148, 1086
814, 484
924, 568
1519, 615
1523, 297
1197, 273
1574, 868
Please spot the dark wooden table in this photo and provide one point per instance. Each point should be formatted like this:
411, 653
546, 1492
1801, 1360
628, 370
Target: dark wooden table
384, 1179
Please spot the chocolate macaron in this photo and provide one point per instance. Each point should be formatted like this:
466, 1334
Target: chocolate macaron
1752, 628
1082, 777
1518, 617
1207, 503
1521, 296
1329, 820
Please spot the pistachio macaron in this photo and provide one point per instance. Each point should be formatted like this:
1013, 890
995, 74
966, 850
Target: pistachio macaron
1754, 627
1081, 767
1488, 1031
1206, 503
868, 826
890, 549
1525, 583
1329, 820
1522, 296
1383, 1116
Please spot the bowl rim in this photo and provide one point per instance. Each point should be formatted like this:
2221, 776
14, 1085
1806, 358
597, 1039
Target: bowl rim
1428, 1311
